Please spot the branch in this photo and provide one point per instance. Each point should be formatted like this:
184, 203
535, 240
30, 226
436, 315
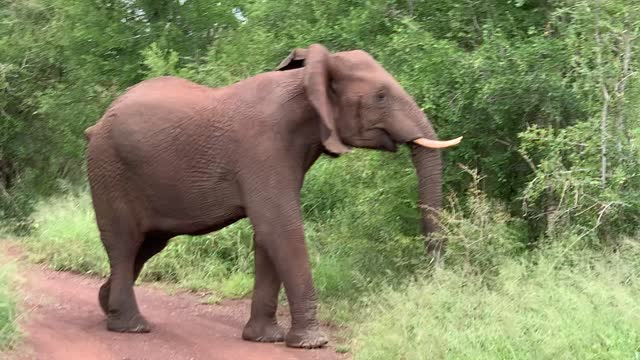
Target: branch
621, 85
526, 158
605, 104
594, 228
603, 136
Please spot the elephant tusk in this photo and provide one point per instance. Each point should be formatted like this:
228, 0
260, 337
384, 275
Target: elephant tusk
437, 144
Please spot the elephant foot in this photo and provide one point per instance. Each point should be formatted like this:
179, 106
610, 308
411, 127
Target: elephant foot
306, 338
133, 324
266, 331
103, 296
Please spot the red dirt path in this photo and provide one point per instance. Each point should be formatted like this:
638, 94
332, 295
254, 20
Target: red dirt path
63, 321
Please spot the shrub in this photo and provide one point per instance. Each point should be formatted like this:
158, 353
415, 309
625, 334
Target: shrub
479, 231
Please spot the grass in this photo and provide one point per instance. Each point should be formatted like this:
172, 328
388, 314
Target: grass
494, 300
9, 332
530, 311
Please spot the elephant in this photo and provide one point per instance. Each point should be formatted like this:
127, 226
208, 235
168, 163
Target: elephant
171, 157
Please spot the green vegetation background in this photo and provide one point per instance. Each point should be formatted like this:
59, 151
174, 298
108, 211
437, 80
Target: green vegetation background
543, 195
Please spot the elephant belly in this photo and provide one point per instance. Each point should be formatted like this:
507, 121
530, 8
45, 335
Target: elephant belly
177, 226
185, 208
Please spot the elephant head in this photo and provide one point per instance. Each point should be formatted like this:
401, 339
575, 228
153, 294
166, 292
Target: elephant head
361, 105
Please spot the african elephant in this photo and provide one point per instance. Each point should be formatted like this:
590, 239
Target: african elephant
172, 157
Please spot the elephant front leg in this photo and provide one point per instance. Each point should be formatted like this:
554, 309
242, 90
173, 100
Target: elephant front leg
263, 325
280, 233
293, 266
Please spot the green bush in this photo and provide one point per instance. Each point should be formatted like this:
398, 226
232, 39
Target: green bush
545, 93
567, 192
480, 233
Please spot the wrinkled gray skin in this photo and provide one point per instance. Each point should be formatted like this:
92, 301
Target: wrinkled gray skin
171, 157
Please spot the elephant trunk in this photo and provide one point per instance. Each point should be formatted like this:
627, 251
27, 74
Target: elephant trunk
414, 129
428, 164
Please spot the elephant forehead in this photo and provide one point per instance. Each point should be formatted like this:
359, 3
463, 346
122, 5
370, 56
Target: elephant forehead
355, 60
359, 65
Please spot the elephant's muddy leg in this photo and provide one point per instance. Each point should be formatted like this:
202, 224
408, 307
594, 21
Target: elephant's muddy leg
263, 325
123, 314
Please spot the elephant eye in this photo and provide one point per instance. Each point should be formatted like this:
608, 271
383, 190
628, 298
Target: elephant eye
332, 85
381, 97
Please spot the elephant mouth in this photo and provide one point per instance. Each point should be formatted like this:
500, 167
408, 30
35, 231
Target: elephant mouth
388, 143
384, 141
376, 139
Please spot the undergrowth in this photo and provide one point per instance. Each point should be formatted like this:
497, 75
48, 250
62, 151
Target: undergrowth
495, 300
530, 310
8, 313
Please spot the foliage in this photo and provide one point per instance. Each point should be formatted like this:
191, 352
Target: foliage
546, 94
567, 192
63, 61
480, 233
500, 70
496, 69
586, 177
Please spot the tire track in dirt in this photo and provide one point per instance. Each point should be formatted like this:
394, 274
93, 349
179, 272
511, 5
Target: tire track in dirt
63, 321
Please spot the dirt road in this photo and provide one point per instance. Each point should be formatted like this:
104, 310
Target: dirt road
63, 321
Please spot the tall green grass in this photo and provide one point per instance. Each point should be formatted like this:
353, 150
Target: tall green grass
496, 300
8, 314
531, 310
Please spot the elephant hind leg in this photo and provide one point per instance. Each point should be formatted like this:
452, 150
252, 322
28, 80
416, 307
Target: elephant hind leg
152, 245
154, 242
122, 240
103, 296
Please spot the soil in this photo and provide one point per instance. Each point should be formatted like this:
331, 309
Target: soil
62, 320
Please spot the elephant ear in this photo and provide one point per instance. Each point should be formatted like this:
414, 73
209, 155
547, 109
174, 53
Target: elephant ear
317, 79
295, 60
